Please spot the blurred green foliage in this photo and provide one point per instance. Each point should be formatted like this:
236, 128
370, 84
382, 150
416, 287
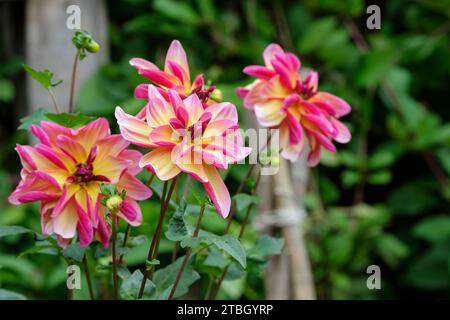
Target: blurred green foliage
382, 199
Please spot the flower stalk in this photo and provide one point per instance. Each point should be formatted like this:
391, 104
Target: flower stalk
188, 253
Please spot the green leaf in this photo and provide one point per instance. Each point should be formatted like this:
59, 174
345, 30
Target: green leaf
11, 295
33, 118
232, 246
215, 259
177, 10
413, 197
164, 279
244, 200
131, 285
380, 177
350, 178
443, 155
43, 77
69, 120
192, 242
266, 246
177, 225
74, 251
7, 91
391, 249
40, 248
151, 263
433, 229
382, 158
13, 230
430, 271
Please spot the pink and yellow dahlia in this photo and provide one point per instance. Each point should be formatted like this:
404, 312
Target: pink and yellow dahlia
175, 77
280, 98
64, 172
187, 138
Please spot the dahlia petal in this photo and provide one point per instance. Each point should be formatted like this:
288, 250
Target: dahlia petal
142, 64
218, 128
343, 135
274, 89
134, 157
160, 162
224, 110
158, 112
340, 107
103, 232
295, 129
194, 108
269, 114
89, 134
283, 72
199, 81
133, 129
131, 212
190, 162
65, 224
269, 53
176, 70
39, 133
135, 189
217, 191
72, 148
84, 227
177, 54
254, 96
160, 78
259, 72
164, 136
141, 91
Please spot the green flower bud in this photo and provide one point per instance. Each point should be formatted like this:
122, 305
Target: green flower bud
113, 203
93, 47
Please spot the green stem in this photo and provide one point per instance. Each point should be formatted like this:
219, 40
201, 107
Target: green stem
165, 200
114, 256
72, 84
188, 253
55, 103
88, 278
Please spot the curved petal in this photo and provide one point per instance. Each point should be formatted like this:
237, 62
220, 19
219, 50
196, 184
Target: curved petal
131, 212
133, 129
177, 54
142, 64
190, 162
224, 110
269, 53
160, 162
135, 189
339, 106
270, 114
65, 224
194, 108
342, 135
217, 191
164, 136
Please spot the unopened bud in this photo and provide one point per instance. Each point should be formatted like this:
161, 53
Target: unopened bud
217, 95
113, 203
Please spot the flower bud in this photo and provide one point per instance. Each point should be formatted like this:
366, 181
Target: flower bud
114, 202
217, 95
93, 47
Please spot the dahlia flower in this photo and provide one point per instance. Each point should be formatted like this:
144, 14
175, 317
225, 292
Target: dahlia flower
64, 172
280, 98
175, 77
187, 138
